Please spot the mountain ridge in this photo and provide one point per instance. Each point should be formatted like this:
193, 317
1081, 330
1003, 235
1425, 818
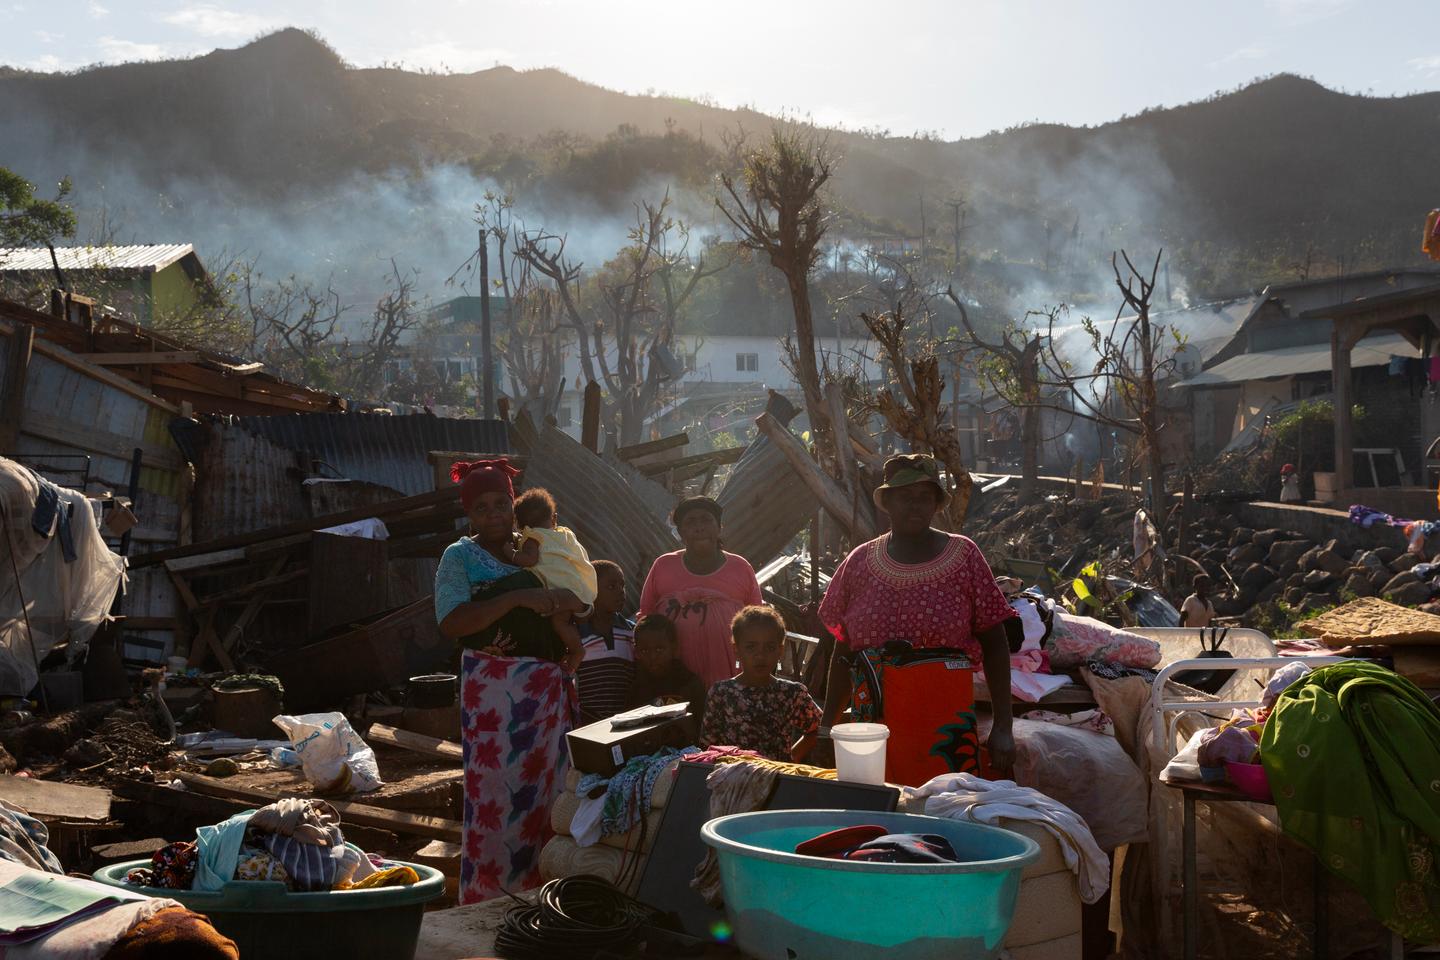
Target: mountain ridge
1234, 185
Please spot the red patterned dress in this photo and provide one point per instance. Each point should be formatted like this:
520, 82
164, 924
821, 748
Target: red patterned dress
928, 703
945, 602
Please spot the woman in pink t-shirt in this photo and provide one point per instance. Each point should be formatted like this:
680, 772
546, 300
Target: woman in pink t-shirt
701, 588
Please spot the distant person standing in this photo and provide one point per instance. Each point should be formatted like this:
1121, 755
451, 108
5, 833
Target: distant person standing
1197, 610
1289, 484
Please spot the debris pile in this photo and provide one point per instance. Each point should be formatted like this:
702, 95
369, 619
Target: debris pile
1269, 577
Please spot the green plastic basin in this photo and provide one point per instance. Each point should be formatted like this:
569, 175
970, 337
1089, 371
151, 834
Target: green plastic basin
784, 906
268, 922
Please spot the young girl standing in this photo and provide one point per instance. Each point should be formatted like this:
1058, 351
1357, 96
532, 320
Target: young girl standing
756, 710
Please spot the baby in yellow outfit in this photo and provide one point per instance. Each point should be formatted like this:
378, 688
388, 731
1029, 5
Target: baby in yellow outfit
552, 553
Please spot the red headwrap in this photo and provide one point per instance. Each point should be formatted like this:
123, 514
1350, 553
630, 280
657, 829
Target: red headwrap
483, 476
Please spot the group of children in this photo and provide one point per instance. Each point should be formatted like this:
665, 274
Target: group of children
628, 665
620, 664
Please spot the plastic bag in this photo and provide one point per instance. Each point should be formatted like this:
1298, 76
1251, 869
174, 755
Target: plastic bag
331, 753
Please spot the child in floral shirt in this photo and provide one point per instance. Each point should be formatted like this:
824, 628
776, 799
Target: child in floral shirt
756, 710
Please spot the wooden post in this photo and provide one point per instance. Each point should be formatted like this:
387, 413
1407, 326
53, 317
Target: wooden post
487, 356
1340, 346
1186, 491
590, 418
845, 461
859, 525
12, 404
815, 559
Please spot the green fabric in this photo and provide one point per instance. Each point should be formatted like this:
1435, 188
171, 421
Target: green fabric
1352, 752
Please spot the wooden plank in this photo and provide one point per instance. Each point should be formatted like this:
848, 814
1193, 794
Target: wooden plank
248, 589
441, 855
205, 638
382, 510
252, 608
135, 359
836, 501
17, 370
196, 380
84, 437
48, 800
590, 418
435, 828
149, 623
636, 450
190, 808
703, 461
416, 742
205, 560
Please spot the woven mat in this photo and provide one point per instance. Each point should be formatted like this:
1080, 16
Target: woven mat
1373, 622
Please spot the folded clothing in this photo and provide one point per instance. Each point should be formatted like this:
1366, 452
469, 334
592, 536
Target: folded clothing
873, 845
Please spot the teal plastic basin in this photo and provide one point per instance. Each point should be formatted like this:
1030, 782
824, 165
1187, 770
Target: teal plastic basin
783, 906
268, 922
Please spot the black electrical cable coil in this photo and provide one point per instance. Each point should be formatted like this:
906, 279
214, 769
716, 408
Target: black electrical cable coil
577, 918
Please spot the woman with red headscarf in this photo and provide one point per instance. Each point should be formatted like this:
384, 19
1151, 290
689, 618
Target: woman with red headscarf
517, 698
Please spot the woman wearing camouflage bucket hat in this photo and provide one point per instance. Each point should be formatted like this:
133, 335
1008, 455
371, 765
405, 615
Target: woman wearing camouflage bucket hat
912, 611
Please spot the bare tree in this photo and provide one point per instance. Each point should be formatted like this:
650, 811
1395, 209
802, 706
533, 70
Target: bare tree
913, 403
629, 317
293, 327
528, 333
394, 316
1011, 366
776, 204
1119, 391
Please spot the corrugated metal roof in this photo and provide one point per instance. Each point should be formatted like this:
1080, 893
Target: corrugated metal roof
1307, 358
765, 504
144, 257
391, 451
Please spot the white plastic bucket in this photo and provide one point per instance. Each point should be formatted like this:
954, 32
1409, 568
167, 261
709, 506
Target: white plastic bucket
860, 751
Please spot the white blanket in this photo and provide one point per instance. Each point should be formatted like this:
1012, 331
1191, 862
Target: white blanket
961, 796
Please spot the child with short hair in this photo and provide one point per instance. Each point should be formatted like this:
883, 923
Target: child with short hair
609, 641
756, 710
552, 553
660, 676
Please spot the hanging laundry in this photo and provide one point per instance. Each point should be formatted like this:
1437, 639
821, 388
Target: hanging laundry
53, 512
1430, 242
1432, 369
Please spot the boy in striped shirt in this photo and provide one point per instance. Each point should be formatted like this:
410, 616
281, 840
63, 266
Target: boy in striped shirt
608, 637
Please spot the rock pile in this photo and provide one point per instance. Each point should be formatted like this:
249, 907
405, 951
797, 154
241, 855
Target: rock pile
1270, 566
1254, 571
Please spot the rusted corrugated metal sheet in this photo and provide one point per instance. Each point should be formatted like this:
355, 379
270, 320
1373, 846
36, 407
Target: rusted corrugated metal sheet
765, 504
245, 482
609, 505
390, 451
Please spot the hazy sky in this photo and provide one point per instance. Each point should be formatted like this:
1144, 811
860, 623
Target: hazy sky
961, 67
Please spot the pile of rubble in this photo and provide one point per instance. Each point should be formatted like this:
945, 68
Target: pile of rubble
1267, 577
1284, 567
1050, 530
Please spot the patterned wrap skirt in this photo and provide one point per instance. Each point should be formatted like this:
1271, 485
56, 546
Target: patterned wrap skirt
515, 713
